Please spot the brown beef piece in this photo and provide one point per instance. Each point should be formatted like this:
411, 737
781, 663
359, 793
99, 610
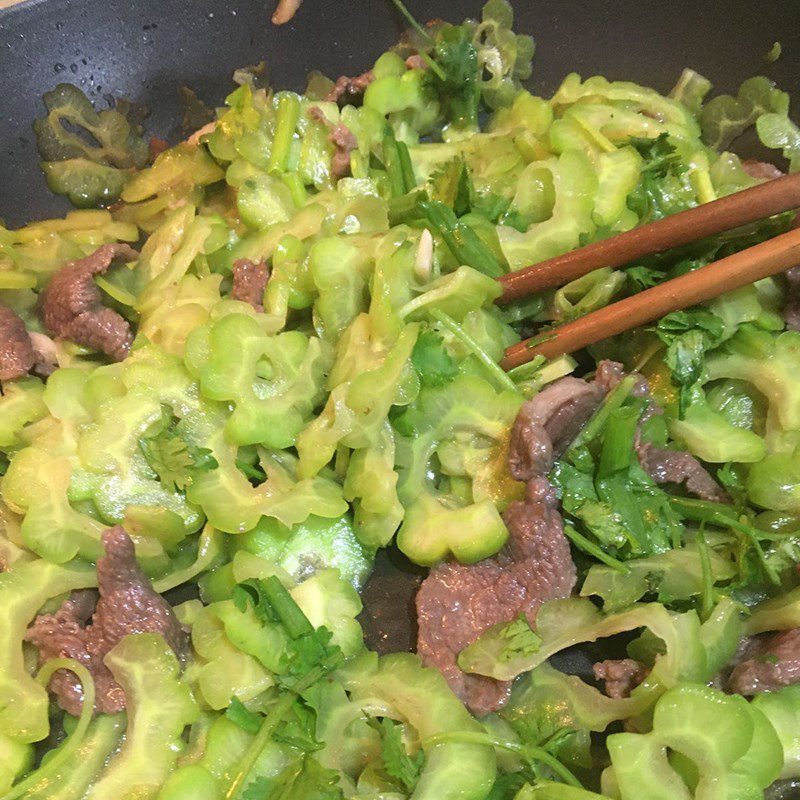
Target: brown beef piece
761, 170
17, 356
770, 662
416, 61
249, 282
127, 604
349, 88
677, 466
72, 308
343, 140
547, 424
458, 602
621, 676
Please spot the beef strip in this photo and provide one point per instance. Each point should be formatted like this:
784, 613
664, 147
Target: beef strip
127, 604
547, 424
677, 466
342, 139
349, 88
768, 663
17, 356
761, 170
621, 676
250, 281
72, 308
416, 61
458, 602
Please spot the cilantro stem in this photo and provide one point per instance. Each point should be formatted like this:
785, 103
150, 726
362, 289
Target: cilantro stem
589, 547
614, 400
424, 34
715, 514
462, 241
268, 726
707, 596
406, 167
283, 604
528, 752
492, 367
391, 160
274, 718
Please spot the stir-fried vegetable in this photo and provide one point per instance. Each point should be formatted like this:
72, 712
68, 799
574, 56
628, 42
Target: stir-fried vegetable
311, 374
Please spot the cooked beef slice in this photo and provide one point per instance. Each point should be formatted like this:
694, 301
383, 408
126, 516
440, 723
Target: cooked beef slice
761, 170
72, 307
127, 604
458, 602
768, 663
17, 355
621, 676
547, 424
249, 282
342, 139
677, 466
349, 88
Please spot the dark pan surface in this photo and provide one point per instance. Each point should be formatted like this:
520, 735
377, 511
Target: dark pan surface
145, 49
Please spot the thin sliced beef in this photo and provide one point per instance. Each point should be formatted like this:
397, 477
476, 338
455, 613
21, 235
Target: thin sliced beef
416, 61
127, 604
621, 676
349, 88
342, 139
761, 170
250, 281
72, 307
457, 602
769, 662
547, 424
17, 356
677, 466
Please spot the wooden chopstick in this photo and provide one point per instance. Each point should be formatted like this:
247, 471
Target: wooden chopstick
740, 208
740, 269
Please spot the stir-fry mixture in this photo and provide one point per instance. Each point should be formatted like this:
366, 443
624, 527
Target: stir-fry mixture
255, 358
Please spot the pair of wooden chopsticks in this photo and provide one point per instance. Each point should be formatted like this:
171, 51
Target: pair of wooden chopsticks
762, 260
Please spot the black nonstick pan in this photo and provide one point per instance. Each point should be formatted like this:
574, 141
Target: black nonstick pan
145, 50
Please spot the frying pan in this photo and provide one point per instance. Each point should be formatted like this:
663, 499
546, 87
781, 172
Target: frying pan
146, 49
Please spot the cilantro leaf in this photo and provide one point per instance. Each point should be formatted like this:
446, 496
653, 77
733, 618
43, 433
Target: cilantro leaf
307, 779
299, 729
259, 789
520, 639
170, 456
452, 185
399, 765
689, 335
431, 360
459, 90
310, 653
